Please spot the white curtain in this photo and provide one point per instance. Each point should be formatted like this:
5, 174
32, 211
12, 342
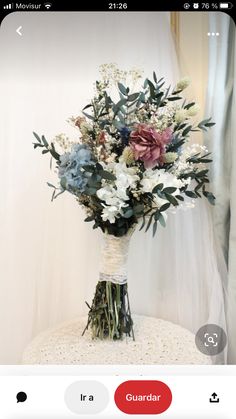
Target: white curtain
221, 105
48, 255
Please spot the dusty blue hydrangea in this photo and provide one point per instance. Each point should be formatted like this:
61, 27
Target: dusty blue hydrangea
73, 178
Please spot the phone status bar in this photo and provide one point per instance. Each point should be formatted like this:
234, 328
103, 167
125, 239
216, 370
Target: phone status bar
116, 6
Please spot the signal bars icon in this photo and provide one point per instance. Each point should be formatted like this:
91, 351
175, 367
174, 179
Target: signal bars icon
8, 6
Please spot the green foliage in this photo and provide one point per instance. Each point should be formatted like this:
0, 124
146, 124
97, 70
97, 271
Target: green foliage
205, 124
42, 143
102, 113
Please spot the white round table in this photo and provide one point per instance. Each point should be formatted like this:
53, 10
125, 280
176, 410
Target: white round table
156, 342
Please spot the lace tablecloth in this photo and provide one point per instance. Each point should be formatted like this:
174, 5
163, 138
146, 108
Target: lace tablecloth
156, 342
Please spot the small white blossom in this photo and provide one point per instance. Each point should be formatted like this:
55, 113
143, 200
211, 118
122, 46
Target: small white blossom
109, 214
85, 127
183, 83
182, 165
180, 115
62, 143
170, 157
127, 156
193, 110
152, 178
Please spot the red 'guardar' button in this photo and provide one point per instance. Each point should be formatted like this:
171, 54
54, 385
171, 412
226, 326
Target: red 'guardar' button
143, 397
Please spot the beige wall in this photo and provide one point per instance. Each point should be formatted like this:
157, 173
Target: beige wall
193, 51
192, 47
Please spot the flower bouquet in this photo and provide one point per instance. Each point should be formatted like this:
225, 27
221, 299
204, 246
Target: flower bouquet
129, 166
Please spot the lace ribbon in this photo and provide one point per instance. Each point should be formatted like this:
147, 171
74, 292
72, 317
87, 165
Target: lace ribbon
114, 259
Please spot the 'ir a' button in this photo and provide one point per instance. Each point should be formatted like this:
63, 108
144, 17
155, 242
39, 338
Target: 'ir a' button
86, 397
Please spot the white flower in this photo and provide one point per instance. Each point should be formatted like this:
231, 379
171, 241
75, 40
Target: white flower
170, 157
180, 115
111, 158
110, 196
126, 177
109, 214
154, 177
85, 127
182, 165
193, 110
183, 83
115, 194
127, 156
114, 201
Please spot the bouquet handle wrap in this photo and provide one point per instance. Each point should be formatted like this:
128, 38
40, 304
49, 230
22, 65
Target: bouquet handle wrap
114, 259
109, 315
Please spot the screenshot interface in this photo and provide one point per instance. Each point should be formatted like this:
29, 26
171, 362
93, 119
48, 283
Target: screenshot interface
117, 210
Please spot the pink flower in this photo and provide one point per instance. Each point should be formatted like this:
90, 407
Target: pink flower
149, 145
102, 137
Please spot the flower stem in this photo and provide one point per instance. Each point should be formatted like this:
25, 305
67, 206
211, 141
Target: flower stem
109, 315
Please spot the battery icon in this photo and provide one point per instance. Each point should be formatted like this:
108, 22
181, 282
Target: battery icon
226, 5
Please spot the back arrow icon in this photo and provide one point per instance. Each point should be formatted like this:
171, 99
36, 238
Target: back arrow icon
18, 30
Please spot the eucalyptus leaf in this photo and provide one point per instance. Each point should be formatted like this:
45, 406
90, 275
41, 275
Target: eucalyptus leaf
160, 194
63, 182
44, 141
152, 89
138, 209
202, 173
211, 198
171, 199
159, 81
88, 219
133, 97
122, 88
107, 175
88, 106
164, 207
50, 185
179, 197
54, 152
117, 106
169, 190
190, 194
91, 191
154, 229
172, 99
162, 220
143, 224
37, 137
88, 116
189, 105
149, 222
88, 168
128, 213
210, 124
186, 130
142, 97
157, 187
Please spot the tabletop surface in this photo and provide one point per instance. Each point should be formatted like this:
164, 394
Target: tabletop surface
157, 341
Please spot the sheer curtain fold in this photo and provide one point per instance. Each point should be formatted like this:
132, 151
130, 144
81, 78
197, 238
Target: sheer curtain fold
221, 105
49, 257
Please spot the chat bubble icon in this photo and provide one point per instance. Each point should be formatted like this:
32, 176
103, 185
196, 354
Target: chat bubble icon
21, 397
